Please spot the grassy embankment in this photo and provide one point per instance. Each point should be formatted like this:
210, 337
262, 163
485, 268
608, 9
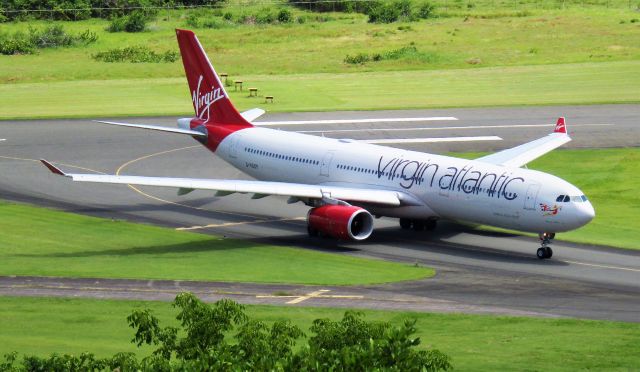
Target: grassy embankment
606, 176
475, 343
37, 241
570, 56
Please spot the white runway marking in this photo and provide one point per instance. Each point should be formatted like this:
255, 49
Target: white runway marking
604, 266
352, 121
2, 139
433, 140
444, 128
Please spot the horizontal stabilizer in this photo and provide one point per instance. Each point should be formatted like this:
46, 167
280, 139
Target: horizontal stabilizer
52, 168
155, 127
253, 114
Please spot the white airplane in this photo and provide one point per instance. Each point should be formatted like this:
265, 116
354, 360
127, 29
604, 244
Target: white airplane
347, 182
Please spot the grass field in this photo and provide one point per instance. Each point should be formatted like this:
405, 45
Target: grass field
606, 176
475, 343
582, 83
38, 241
493, 56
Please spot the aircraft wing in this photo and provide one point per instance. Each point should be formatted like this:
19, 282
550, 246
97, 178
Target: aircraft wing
258, 188
525, 153
253, 114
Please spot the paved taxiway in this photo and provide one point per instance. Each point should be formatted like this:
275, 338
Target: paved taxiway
477, 271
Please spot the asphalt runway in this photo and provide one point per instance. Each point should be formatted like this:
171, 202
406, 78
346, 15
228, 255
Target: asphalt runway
478, 272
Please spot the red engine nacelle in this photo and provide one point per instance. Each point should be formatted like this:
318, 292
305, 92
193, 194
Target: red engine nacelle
340, 221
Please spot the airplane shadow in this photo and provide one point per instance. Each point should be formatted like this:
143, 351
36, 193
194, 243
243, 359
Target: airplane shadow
433, 241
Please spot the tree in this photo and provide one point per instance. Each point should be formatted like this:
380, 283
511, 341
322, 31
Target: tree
201, 344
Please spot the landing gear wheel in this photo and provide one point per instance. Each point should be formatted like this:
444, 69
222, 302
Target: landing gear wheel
405, 223
312, 232
430, 225
544, 253
418, 225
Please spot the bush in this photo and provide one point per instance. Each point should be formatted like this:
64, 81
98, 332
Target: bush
18, 43
358, 59
135, 22
426, 10
409, 52
285, 16
384, 13
135, 54
49, 37
206, 341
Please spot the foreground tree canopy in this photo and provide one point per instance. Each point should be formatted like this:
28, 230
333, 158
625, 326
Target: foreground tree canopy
205, 342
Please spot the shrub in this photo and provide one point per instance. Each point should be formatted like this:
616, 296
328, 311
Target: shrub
426, 10
221, 337
285, 16
17, 43
358, 59
384, 13
265, 16
409, 52
49, 37
136, 22
136, 54
117, 24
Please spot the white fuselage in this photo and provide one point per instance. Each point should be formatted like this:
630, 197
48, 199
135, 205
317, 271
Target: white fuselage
447, 187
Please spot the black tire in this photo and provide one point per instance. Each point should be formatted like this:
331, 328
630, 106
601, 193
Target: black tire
418, 225
549, 252
312, 232
541, 253
430, 225
405, 223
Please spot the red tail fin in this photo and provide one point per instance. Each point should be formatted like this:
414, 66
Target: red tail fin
210, 100
560, 126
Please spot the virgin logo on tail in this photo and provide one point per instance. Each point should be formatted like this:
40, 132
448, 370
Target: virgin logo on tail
560, 127
203, 101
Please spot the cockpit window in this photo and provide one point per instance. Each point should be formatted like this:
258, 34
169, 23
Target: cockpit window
576, 199
584, 198
566, 198
560, 198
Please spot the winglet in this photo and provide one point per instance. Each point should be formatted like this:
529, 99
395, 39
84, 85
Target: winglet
560, 126
52, 168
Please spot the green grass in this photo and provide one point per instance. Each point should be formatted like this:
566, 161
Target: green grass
545, 57
582, 83
38, 241
475, 343
607, 177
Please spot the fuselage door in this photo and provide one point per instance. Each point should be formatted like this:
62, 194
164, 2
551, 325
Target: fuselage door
532, 195
326, 162
234, 145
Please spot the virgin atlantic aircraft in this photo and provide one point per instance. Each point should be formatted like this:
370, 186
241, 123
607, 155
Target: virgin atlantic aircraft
346, 183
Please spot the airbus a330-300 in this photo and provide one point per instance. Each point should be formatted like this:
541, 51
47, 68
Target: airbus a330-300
346, 183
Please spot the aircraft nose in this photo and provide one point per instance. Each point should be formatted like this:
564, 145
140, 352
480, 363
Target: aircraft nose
586, 213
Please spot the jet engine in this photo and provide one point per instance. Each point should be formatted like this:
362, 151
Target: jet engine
340, 221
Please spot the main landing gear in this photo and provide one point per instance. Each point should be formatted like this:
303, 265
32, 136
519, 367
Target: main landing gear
418, 225
545, 251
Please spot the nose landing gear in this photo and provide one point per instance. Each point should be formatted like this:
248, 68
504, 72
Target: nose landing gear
545, 251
